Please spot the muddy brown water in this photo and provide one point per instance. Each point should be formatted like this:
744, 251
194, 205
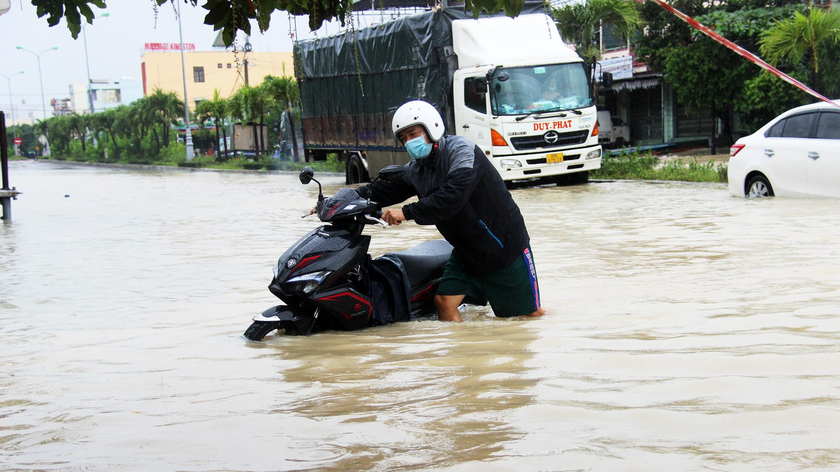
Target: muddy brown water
687, 330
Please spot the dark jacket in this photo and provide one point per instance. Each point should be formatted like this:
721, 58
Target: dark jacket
462, 194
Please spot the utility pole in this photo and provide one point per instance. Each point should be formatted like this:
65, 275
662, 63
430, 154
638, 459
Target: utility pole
12, 104
188, 139
247, 50
41, 77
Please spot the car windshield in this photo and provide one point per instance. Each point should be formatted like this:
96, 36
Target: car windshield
554, 87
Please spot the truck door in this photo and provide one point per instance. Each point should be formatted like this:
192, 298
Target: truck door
472, 120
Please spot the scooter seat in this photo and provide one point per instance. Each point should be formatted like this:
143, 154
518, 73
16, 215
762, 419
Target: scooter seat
425, 261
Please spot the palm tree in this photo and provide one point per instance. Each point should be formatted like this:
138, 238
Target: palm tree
107, 121
167, 107
578, 23
60, 129
129, 123
285, 91
795, 37
217, 110
251, 104
80, 124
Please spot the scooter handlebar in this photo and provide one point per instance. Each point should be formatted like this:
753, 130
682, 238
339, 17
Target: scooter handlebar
378, 221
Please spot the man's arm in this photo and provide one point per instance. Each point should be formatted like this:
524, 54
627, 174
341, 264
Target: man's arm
387, 193
448, 200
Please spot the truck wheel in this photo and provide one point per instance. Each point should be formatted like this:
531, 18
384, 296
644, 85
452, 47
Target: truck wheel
356, 172
619, 143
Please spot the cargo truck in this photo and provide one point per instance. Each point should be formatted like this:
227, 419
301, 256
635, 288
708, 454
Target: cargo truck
509, 84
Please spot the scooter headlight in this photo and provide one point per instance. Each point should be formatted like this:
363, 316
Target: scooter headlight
306, 283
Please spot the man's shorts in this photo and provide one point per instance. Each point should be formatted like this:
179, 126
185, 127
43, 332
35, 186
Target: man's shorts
512, 291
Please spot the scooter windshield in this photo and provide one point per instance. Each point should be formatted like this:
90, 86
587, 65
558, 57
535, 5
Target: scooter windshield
345, 203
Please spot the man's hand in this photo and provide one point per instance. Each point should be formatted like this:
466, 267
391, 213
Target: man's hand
393, 216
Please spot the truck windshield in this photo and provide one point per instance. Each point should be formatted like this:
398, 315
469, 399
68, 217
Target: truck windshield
554, 87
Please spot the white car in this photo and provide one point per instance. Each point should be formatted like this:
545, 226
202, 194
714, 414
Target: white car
795, 154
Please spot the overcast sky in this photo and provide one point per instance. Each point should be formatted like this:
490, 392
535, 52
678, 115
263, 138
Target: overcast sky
115, 46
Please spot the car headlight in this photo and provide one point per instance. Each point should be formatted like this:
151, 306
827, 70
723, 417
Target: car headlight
306, 283
509, 164
594, 154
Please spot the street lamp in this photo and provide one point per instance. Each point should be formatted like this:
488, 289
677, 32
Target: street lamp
12, 104
41, 77
188, 138
87, 64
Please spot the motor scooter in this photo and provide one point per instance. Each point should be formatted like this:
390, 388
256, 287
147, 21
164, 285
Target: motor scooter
327, 279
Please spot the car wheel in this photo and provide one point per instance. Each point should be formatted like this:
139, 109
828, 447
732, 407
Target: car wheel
759, 187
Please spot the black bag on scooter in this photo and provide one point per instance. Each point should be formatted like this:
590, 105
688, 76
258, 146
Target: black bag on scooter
389, 290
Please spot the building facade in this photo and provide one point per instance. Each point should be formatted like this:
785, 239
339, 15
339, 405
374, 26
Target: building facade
105, 94
209, 71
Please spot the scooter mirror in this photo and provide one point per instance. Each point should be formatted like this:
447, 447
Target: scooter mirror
390, 173
306, 175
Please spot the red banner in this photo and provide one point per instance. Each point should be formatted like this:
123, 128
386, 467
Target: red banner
743, 52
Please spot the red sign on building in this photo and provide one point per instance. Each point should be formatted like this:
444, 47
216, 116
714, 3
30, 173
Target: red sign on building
169, 46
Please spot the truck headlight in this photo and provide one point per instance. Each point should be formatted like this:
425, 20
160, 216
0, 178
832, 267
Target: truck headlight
594, 154
509, 164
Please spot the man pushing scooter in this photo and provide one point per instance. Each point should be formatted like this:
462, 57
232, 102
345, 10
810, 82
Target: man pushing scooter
462, 194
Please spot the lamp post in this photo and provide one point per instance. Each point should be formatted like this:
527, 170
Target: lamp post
12, 104
41, 78
87, 65
188, 138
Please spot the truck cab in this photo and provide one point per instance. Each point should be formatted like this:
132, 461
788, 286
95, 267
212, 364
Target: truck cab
508, 84
524, 98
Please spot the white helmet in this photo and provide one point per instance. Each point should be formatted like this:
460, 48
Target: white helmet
418, 112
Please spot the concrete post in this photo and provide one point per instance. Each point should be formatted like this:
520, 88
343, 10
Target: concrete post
4, 169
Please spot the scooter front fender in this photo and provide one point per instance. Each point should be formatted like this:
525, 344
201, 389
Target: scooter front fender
294, 318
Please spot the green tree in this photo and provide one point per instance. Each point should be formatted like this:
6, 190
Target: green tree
60, 131
217, 110
794, 38
250, 104
28, 136
706, 74
107, 121
285, 92
79, 124
232, 16
765, 96
580, 22
664, 31
166, 108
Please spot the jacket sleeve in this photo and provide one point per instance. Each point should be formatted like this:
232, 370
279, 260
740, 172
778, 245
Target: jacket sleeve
387, 193
446, 201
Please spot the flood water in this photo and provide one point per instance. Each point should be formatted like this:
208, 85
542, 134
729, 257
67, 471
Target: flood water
687, 330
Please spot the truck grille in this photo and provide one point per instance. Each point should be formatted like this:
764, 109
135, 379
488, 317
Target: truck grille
536, 142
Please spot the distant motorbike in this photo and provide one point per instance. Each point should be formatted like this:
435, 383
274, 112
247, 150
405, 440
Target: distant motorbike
327, 280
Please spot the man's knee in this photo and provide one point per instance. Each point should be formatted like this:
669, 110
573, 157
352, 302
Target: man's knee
443, 302
447, 307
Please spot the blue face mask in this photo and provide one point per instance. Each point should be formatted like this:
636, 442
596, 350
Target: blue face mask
418, 148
